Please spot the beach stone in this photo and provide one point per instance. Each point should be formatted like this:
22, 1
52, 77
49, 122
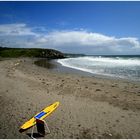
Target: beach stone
98, 90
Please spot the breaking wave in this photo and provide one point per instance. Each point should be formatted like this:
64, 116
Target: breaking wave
122, 67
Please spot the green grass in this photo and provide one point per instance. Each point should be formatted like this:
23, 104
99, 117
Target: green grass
30, 52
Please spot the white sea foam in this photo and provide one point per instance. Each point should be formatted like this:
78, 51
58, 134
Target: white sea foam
110, 66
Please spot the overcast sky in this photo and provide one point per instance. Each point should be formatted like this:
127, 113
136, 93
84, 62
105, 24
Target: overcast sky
72, 27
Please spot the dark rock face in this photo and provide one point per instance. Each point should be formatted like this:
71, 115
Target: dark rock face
49, 53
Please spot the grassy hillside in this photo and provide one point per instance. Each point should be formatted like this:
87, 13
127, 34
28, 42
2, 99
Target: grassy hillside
30, 52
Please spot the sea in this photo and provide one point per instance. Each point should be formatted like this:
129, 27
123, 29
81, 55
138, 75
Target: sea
118, 66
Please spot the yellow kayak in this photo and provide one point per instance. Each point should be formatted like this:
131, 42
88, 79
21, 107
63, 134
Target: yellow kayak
41, 115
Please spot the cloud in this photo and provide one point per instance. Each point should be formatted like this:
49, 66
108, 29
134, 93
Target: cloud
87, 40
16, 30
74, 41
84, 38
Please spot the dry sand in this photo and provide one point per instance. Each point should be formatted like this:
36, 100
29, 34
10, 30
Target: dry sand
89, 107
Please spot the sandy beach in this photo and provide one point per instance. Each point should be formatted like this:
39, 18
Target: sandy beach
89, 107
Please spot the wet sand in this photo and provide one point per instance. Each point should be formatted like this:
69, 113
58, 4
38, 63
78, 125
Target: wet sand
89, 107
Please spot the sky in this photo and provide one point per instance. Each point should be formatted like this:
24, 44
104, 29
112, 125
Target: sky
90, 27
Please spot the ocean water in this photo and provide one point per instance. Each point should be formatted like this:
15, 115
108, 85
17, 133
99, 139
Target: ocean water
125, 67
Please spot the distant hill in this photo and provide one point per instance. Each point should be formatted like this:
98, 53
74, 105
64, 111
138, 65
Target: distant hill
73, 55
30, 52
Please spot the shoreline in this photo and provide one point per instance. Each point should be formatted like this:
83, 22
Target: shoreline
90, 107
107, 76
68, 70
